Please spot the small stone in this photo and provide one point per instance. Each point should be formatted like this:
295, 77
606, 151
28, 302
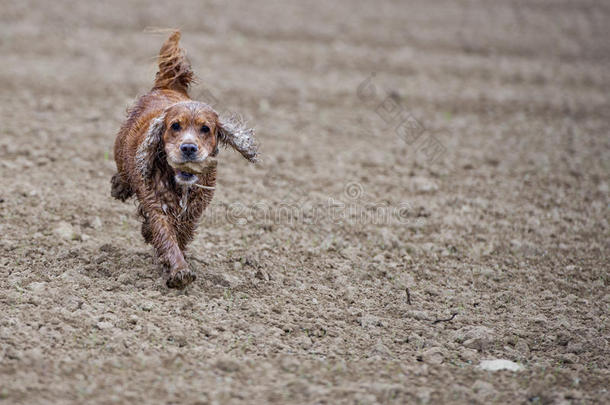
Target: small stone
104, 325
500, 364
468, 355
147, 306
434, 355
65, 231
474, 344
478, 337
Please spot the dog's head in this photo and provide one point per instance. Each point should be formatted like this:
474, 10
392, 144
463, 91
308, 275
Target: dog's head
188, 133
189, 136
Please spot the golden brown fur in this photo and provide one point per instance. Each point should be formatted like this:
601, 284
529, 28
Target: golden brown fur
164, 126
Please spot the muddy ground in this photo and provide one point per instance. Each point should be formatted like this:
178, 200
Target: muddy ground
420, 160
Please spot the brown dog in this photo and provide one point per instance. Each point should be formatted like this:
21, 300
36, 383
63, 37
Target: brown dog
165, 154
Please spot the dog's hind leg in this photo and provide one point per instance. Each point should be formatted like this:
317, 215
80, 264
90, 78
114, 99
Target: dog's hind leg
120, 189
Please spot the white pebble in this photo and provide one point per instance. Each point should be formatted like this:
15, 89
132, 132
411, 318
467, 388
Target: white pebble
500, 364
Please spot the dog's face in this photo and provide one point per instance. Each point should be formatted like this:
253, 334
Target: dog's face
190, 136
189, 133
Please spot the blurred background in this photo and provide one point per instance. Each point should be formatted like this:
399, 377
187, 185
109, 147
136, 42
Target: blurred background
419, 159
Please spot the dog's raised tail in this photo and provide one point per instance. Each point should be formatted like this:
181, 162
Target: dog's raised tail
175, 71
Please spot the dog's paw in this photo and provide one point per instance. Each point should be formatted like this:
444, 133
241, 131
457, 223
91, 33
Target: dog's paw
180, 278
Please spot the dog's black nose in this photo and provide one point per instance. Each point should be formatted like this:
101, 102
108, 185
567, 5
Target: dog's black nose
188, 149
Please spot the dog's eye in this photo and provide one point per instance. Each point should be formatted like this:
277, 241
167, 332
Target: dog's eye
205, 129
176, 126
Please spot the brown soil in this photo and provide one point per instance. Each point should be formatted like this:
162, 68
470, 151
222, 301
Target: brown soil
322, 269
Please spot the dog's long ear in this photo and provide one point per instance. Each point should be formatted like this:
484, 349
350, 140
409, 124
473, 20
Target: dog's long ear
150, 148
232, 131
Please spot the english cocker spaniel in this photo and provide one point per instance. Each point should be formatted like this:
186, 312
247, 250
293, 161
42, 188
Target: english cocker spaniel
165, 154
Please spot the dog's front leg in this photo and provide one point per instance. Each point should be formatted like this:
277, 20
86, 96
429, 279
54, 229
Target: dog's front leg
165, 241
